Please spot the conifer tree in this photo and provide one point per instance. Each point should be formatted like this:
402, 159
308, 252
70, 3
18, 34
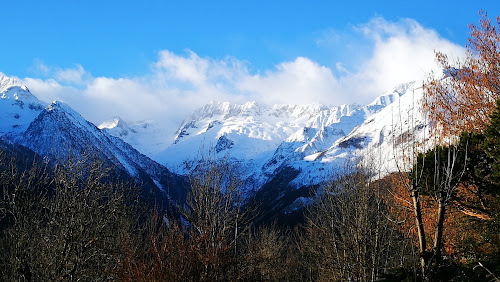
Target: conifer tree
491, 144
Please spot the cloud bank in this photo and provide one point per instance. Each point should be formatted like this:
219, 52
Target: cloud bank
177, 84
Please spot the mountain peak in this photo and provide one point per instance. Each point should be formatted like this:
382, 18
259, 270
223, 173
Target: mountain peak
112, 123
8, 82
60, 106
13, 89
18, 107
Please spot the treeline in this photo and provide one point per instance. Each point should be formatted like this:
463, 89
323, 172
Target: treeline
72, 221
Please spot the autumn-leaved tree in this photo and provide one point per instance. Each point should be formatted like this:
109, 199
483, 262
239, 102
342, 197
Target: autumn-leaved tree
460, 102
465, 97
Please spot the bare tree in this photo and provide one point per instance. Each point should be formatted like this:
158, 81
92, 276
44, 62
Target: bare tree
63, 223
266, 255
349, 229
440, 171
216, 216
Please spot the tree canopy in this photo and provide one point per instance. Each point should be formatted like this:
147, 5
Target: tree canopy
463, 99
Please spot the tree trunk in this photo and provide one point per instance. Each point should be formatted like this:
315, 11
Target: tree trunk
420, 228
438, 233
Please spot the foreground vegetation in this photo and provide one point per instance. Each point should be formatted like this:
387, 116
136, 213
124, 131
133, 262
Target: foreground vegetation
72, 221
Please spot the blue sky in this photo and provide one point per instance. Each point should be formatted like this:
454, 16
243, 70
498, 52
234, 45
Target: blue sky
144, 58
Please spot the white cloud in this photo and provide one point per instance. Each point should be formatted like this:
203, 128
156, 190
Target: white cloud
403, 51
75, 75
301, 81
177, 84
192, 68
50, 90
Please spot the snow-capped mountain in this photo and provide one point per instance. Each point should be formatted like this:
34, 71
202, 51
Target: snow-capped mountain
261, 139
18, 107
280, 149
55, 130
312, 139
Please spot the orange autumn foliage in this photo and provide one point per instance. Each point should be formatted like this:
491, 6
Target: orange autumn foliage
465, 97
460, 229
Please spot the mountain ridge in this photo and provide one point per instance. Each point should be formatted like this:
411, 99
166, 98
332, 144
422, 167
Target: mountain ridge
55, 131
310, 138
295, 146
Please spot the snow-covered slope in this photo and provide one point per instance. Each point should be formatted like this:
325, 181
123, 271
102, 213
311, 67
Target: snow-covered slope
18, 107
58, 129
383, 140
148, 137
310, 138
383, 136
